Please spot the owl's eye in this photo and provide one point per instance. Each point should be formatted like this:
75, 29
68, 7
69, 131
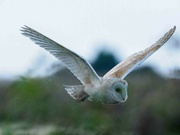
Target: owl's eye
118, 90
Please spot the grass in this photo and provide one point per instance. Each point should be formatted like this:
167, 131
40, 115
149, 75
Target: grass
18, 129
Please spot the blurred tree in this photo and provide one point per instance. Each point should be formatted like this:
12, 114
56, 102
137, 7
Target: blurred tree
104, 62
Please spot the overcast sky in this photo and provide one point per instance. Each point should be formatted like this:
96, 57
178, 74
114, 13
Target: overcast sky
85, 26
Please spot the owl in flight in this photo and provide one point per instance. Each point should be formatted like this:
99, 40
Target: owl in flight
109, 89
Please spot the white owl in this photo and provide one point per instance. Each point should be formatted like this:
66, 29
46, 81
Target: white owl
109, 89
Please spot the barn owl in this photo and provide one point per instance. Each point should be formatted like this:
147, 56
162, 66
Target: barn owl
109, 89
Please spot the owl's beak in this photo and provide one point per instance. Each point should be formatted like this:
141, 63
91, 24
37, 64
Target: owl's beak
122, 97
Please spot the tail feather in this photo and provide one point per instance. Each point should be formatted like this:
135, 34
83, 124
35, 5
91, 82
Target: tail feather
76, 92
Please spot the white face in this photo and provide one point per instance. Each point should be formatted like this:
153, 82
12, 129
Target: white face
119, 91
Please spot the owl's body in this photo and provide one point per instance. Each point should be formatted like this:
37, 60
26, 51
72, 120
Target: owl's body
109, 89
101, 92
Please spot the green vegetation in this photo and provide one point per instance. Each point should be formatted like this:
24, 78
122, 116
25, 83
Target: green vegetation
152, 107
42, 106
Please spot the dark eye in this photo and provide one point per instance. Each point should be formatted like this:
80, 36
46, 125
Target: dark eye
118, 90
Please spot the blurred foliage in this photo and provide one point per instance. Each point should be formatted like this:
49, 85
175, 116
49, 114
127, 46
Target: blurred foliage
104, 62
152, 107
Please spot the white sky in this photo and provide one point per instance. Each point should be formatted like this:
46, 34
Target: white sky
84, 26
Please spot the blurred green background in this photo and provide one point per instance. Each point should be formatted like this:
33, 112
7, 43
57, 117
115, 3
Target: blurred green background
41, 106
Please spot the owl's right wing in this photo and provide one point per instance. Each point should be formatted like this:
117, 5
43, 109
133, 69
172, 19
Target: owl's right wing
76, 64
130, 63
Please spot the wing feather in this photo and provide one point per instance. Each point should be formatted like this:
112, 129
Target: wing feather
76, 64
130, 63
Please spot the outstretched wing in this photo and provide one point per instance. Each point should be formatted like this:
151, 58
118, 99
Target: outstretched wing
76, 64
126, 66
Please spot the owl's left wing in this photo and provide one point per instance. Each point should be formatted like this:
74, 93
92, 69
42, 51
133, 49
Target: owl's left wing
130, 63
76, 64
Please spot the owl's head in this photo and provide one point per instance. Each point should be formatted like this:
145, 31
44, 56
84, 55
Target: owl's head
119, 91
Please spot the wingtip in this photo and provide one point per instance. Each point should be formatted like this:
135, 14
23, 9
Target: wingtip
24, 28
174, 28
171, 31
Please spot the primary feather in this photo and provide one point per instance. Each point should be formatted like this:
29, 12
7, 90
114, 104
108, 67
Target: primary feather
76, 64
